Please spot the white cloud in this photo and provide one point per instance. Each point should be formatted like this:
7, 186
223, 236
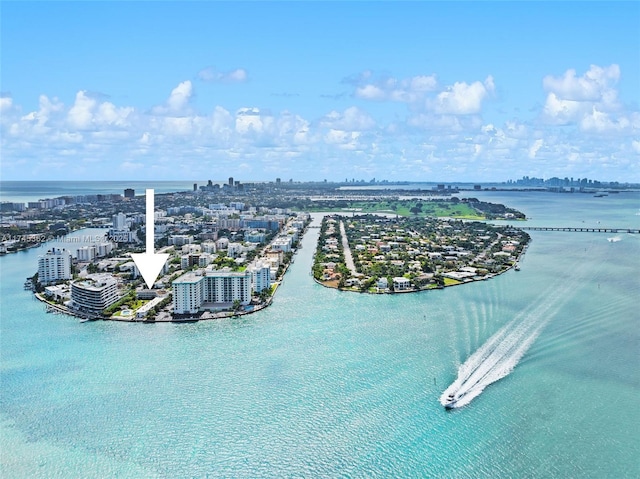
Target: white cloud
533, 150
370, 92
47, 109
145, 139
589, 101
210, 74
462, 98
561, 112
600, 121
80, 115
352, 119
180, 96
249, 120
347, 140
238, 75
442, 135
86, 112
222, 123
407, 90
108, 114
6, 102
596, 84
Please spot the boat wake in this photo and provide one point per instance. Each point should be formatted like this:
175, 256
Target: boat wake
497, 357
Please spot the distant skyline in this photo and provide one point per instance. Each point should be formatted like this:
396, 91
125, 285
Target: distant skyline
415, 91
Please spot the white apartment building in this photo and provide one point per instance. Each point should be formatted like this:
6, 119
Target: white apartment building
54, 266
120, 222
120, 231
104, 249
214, 289
191, 249
187, 293
87, 253
282, 243
180, 240
260, 276
205, 260
222, 243
209, 247
95, 293
234, 250
226, 286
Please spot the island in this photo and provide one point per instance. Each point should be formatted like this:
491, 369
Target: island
382, 254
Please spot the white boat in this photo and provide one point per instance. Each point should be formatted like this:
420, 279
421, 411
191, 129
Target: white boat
451, 401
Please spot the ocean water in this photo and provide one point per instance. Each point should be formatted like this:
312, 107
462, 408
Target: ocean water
332, 384
24, 191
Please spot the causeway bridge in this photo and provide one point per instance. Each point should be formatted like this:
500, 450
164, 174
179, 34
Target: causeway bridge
583, 229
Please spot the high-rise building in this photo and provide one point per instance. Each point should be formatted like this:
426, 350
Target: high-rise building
231, 181
187, 294
214, 290
120, 222
55, 265
87, 253
129, 193
260, 276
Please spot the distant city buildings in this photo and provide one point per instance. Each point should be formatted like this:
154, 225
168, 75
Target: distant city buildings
54, 266
129, 193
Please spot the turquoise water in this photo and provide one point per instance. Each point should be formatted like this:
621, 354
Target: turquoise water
331, 384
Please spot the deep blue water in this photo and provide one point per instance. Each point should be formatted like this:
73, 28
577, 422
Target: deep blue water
331, 384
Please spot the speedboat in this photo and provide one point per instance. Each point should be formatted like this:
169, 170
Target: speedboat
450, 402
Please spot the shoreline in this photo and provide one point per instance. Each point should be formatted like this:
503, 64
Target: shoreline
167, 317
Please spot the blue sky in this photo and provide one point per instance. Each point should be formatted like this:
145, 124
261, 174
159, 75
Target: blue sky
455, 91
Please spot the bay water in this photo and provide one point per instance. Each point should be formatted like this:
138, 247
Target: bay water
334, 384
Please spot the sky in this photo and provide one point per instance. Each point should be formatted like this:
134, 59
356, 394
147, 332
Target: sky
411, 91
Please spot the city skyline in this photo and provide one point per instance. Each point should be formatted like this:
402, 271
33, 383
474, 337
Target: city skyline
402, 91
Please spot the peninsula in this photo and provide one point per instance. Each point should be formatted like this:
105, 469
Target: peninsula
381, 254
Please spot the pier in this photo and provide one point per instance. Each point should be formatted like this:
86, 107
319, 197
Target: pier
584, 230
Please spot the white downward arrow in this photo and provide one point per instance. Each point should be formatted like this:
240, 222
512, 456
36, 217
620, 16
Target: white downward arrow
149, 264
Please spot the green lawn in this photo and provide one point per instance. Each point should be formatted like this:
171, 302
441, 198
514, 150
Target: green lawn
427, 208
451, 282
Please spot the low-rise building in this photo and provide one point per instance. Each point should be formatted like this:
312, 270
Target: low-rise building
401, 284
282, 243
180, 240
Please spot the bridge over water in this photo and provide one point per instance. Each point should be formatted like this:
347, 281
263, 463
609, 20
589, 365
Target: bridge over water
585, 230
